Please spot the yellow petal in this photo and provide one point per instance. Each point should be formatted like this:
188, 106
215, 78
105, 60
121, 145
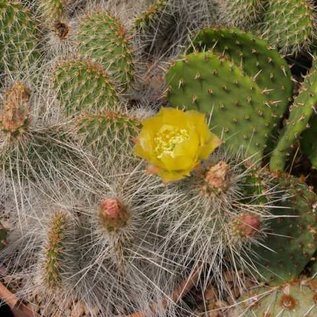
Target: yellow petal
209, 147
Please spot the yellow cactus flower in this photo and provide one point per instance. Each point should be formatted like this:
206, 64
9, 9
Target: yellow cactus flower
174, 142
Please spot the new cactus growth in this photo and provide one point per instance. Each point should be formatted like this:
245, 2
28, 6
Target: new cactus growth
19, 37
102, 38
84, 86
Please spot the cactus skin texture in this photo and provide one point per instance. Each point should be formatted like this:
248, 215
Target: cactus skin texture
292, 240
102, 38
295, 299
145, 20
110, 133
301, 112
18, 36
212, 84
269, 70
84, 86
308, 141
289, 25
240, 13
52, 10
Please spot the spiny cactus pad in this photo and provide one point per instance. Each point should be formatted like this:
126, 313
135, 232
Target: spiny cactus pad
265, 65
102, 38
18, 36
52, 10
240, 13
296, 299
109, 131
291, 240
301, 111
150, 15
209, 83
289, 25
84, 86
308, 141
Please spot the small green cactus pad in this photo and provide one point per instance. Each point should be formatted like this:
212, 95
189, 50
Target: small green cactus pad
102, 38
84, 86
269, 70
301, 112
52, 10
291, 240
212, 84
3, 236
109, 132
289, 25
240, 13
18, 36
308, 141
297, 299
150, 15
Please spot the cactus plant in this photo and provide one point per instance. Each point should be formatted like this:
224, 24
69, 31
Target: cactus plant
265, 65
102, 38
308, 141
282, 257
84, 86
19, 37
293, 299
234, 100
289, 25
301, 112
240, 13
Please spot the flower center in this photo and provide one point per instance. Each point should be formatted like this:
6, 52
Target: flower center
167, 138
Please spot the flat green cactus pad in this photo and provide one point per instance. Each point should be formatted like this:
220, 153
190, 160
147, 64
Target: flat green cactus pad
209, 83
110, 132
269, 70
297, 299
289, 25
291, 240
18, 36
301, 112
84, 86
102, 38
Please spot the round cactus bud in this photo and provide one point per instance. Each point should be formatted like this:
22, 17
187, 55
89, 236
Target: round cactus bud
16, 109
217, 178
113, 214
246, 225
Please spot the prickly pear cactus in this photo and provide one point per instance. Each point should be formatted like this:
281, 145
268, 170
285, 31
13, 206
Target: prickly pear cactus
212, 84
296, 299
240, 13
265, 65
289, 25
52, 10
102, 38
292, 237
18, 36
110, 132
301, 112
84, 86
